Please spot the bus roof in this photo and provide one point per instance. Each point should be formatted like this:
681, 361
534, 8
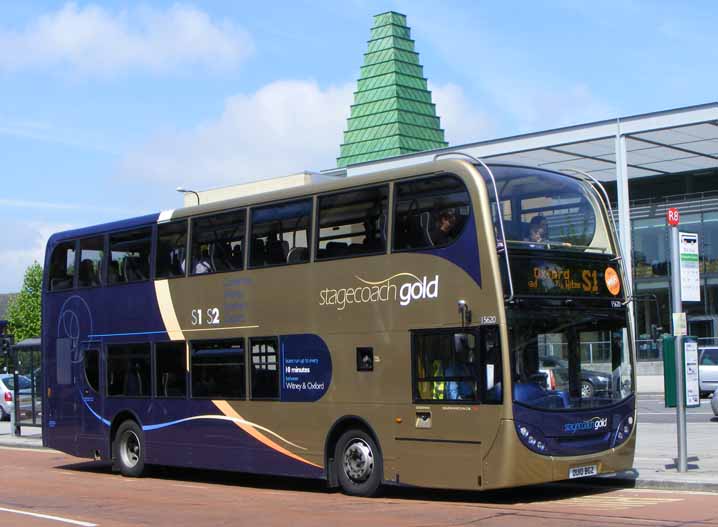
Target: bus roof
102, 228
269, 197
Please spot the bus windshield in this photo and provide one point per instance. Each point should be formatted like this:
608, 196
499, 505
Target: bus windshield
550, 211
569, 359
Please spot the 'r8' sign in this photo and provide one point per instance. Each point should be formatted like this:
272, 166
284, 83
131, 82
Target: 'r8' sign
673, 216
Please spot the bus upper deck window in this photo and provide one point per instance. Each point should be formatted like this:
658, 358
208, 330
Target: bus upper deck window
430, 212
171, 249
129, 256
62, 267
353, 223
92, 251
218, 243
281, 233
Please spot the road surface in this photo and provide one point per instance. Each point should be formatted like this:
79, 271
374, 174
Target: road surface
61, 490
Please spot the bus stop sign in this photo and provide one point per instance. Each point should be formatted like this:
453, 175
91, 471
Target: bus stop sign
673, 217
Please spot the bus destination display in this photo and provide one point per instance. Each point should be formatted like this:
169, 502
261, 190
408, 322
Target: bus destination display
554, 277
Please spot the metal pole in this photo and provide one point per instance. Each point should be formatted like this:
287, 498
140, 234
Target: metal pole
681, 463
16, 403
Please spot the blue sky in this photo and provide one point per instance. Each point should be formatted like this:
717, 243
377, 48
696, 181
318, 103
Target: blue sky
106, 107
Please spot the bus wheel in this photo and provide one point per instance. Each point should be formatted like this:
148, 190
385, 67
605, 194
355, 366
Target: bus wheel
358, 463
129, 452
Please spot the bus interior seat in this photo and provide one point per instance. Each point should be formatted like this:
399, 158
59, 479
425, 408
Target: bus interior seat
133, 269
113, 272
258, 256
264, 382
277, 251
133, 382
337, 249
298, 255
165, 265
424, 229
359, 248
381, 226
222, 257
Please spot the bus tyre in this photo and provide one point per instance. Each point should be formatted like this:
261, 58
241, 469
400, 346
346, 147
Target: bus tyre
129, 449
358, 463
3, 414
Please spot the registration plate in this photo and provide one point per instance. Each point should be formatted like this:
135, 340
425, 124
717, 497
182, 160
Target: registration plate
582, 472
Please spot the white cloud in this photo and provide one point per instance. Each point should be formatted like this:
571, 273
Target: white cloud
93, 40
461, 120
538, 105
285, 127
32, 238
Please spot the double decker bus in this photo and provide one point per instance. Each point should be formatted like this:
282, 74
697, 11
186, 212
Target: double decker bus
448, 324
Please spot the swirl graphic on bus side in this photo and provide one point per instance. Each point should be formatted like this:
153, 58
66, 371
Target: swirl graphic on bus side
74, 324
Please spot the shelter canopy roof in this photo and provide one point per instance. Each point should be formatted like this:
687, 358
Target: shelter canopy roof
672, 141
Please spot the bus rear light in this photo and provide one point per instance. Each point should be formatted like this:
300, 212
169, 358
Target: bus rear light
8, 397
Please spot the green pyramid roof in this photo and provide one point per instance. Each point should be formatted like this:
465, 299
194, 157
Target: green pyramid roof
392, 112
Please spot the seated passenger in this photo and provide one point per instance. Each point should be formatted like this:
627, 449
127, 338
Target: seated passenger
203, 265
443, 231
538, 231
236, 259
88, 276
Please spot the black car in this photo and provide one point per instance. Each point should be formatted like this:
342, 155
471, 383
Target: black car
592, 382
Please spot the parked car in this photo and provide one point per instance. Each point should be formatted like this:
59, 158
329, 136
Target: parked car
714, 402
592, 382
708, 370
7, 387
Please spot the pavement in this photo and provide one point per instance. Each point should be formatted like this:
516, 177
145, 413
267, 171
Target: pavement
656, 449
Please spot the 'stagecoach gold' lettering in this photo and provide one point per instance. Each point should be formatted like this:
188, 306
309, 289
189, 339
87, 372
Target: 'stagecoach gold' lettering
383, 291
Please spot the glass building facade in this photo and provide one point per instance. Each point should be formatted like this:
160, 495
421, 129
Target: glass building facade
651, 256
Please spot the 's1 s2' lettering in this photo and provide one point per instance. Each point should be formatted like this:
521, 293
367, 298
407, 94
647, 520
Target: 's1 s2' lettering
209, 317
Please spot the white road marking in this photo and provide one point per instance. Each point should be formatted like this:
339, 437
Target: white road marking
49, 517
188, 486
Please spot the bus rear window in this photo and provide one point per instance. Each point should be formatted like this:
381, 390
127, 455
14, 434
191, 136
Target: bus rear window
62, 267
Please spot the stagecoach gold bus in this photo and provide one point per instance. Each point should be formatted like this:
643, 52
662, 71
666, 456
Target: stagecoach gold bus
445, 325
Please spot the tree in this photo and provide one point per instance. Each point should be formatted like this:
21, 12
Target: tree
23, 311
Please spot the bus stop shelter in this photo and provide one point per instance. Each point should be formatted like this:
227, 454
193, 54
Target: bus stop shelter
27, 364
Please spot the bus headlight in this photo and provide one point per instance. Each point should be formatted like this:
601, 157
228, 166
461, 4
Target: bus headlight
623, 431
532, 437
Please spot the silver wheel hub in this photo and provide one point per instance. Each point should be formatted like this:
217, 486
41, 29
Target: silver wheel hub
130, 449
586, 390
358, 460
